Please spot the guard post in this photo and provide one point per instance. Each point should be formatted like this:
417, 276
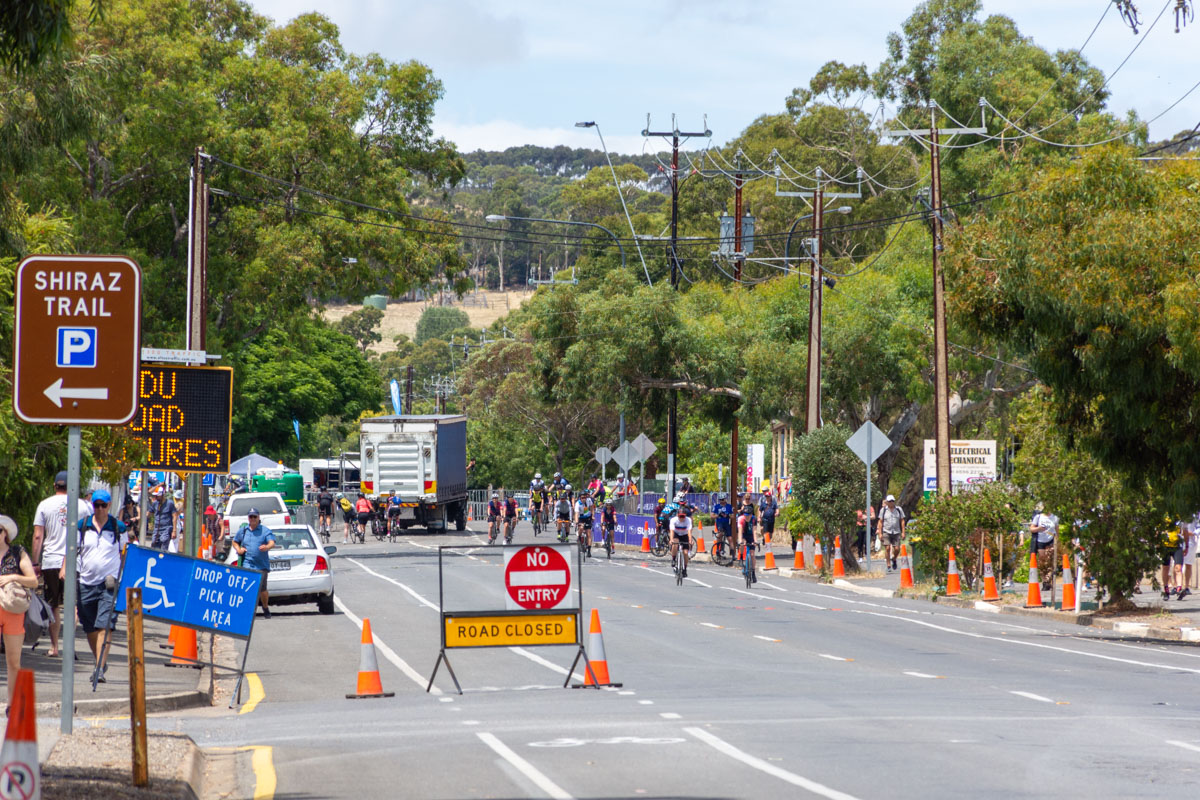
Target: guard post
542, 603
194, 593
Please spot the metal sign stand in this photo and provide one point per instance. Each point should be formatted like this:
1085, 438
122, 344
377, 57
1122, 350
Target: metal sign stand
577, 611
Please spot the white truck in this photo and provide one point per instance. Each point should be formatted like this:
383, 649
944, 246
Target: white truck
422, 459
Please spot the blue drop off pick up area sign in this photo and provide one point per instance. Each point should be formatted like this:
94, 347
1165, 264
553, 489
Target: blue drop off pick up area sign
191, 591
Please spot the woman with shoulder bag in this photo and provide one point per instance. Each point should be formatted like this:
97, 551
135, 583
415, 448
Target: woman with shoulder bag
17, 581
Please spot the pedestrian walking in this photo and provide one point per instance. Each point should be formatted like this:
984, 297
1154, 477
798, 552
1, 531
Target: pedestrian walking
130, 515
890, 529
768, 507
50, 548
865, 524
1042, 530
164, 517
1189, 557
101, 539
253, 543
1171, 551
16, 569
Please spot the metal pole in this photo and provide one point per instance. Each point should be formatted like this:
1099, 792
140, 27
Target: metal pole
674, 401
69, 586
941, 367
143, 507
867, 508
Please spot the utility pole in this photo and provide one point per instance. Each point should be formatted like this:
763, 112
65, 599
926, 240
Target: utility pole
408, 390
197, 314
941, 368
673, 255
738, 261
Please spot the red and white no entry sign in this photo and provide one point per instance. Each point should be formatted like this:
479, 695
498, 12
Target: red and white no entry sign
536, 577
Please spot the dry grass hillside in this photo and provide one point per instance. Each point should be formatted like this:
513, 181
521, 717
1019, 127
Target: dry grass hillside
401, 316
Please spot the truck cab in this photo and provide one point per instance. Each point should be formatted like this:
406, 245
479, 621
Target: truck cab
422, 459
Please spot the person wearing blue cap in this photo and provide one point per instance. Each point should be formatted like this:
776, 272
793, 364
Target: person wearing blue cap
253, 543
101, 537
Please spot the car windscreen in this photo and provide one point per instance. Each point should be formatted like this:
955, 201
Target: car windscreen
293, 539
240, 506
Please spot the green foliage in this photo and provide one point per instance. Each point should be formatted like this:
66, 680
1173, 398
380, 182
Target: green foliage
360, 325
969, 522
437, 322
801, 521
828, 480
33, 31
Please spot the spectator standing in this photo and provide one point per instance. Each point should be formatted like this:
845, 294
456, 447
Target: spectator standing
1189, 557
163, 517
253, 543
50, 548
890, 529
1171, 550
130, 515
767, 509
212, 526
1042, 530
865, 527
15, 567
723, 518
101, 538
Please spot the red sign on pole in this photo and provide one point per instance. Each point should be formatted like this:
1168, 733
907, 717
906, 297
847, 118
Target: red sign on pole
536, 577
78, 340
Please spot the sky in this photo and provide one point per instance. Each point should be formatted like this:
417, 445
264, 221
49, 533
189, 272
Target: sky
524, 72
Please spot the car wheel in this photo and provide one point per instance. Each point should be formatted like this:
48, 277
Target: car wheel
325, 603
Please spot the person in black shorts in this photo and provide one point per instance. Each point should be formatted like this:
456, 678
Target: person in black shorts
324, 507
745, 528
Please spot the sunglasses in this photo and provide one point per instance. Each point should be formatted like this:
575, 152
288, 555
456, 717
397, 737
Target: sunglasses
100, 504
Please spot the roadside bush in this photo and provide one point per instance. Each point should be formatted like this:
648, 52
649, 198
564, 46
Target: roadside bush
827, 481
968, 522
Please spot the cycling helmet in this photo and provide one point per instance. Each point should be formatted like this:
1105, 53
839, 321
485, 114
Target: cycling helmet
680, 497
537, 476
620, 475
662, 501
340, 495
608, 503
722, 496
558, 474
567, 487
495, 495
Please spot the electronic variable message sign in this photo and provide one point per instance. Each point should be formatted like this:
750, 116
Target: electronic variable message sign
184, 416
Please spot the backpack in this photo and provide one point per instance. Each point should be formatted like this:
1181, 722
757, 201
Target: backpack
87, 523
38, 618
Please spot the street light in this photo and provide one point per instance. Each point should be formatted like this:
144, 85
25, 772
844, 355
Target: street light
620, 194
503, 217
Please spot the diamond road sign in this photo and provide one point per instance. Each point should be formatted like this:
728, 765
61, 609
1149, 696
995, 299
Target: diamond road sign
869, 443
78, 340
643, 447
625, 456
603, 455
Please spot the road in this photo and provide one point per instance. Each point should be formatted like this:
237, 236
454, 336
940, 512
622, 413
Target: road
792, 689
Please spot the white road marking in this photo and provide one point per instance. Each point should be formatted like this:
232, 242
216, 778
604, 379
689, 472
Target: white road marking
444, 699
670, 715
646, 702
627, 691
702, 583
727, 749
1184, 745
1033, 696
834, 658
713, 625
387, 652
524, 767
1038, 645
370, 571
922, 675
470, 722
767, 638
772, 586
535, 658
774, 599
668, 613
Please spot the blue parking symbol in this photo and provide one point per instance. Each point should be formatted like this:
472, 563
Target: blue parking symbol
76, 347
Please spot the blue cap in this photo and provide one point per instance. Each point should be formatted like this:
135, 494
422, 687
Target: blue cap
101, 496
253, 513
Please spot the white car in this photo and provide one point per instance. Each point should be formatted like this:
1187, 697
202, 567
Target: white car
272, 511
301, 571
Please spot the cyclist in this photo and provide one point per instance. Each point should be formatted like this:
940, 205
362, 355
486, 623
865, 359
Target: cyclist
363, 509
745, 523
557, 484
348, 516
596, 487
619, 487
584, 509
324, 511
661, 515
608, 525
562, 515
494, 510
537, 484
393, 512
510, 518
681, 527
723, 513
537, 496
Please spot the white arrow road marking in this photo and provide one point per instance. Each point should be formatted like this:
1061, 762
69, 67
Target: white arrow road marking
56, 393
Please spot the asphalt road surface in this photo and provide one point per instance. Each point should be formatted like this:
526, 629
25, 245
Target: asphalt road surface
791, 689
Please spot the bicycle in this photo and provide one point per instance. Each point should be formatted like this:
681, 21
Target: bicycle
324, 531
510, 523
748, 565
493, 529
564, 530
661, 542
378, 526
536, 518
394, 529
678, 562
608, 540
722, 551
585, 537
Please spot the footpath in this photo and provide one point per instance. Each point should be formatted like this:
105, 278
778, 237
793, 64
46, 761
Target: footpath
95, 759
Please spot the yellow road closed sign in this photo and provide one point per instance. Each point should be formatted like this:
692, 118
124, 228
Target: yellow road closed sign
510, 630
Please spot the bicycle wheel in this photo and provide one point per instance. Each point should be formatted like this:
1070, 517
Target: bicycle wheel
679, 567
608, 543
721, 554
660, 545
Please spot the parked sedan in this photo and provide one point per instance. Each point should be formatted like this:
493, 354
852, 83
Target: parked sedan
300, 568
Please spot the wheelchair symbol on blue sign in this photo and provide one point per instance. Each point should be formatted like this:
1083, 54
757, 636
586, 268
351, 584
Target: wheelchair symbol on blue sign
76, 347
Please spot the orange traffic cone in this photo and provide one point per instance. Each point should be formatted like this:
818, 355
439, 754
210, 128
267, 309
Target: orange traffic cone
20, 775
645, 537
953, 584
989, 578
906, 580
369, 684
185, 653
798, 560
595, 656
818, 556
1034, 597
839, 567
699, 544
768, 535
1068, 585
769, 562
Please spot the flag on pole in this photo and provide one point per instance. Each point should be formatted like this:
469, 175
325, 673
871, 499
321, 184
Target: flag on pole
396, 396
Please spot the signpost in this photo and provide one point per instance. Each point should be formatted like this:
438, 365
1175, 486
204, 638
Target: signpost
75, 359
868, 443
644, 449
184, 417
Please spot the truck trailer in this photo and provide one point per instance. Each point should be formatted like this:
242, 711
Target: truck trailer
422, 459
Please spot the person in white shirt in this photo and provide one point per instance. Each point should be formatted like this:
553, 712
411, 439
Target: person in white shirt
50, 548
101, 538
1042, 530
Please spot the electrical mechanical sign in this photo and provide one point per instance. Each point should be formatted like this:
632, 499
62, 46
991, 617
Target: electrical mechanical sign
184, 416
